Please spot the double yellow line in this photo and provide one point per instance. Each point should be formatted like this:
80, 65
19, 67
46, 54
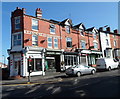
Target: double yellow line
36, 83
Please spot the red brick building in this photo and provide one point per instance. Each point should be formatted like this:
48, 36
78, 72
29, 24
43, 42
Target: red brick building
52, 45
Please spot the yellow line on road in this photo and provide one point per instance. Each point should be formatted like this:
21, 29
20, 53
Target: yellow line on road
29, 83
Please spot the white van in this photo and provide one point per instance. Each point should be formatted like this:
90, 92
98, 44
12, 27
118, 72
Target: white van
106, 63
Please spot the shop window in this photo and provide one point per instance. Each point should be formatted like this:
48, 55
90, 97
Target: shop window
93, 59
83, 44
34, 24
67, 29
16, 39
70, 60
55, 43
49, 42
34, 40
83, 60
69, 42
17, 23
52, 28
36, 65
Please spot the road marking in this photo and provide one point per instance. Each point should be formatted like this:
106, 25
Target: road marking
28, 83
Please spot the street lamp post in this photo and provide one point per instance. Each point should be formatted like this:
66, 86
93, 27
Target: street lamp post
4, 59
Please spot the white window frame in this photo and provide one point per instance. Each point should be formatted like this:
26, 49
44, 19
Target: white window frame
13, 41
17, 23
52, 26
82, 34
115, 43
95, 43
82, 41
49, 42
34, 40
107, 42
67, 28
34, 24
55, 43
68, 41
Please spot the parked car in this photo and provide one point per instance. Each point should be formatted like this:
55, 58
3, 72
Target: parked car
106, 63
79, 70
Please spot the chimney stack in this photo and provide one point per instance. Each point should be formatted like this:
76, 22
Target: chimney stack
38, 13
24, 10
108, 29
101, 29
116, 31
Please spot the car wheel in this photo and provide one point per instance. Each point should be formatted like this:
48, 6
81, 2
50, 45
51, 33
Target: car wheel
109, 68
78, 74
93, 71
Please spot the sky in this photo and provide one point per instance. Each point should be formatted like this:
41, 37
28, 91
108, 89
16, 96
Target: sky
97, 14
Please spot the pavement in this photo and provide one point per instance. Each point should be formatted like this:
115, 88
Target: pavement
48, 78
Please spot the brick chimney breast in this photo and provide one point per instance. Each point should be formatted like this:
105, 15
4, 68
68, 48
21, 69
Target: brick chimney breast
38, 13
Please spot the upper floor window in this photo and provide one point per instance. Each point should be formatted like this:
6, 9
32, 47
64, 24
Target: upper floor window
34, 40
115, 43
49, 42
81, 32
114, 36
52, 28
17, 23
107, 42
106, 34
83, 44
94, 35
67, 29
95, 45
17, 39
55, 42
69, 42
34, 24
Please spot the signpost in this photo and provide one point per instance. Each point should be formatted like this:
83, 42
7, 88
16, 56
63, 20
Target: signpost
29, 69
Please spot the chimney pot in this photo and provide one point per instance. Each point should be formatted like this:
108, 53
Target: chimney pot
108, 29
101, 28
116, 31
24, 10
17, 8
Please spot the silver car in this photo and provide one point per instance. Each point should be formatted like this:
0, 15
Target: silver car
78, 70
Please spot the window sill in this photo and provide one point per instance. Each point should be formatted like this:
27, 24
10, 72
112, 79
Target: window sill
34, 30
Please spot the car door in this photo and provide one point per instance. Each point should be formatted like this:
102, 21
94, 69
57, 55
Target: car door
87, 69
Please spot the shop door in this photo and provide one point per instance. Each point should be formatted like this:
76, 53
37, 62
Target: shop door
57, 63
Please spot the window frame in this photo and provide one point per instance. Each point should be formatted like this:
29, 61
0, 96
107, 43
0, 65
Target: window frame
35, 40
95, 43
67, 29
107, 42
55, 43
49, 42
17, 23
52, 27
82, 41
68, 41
34, 24
115, 43
15, 41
